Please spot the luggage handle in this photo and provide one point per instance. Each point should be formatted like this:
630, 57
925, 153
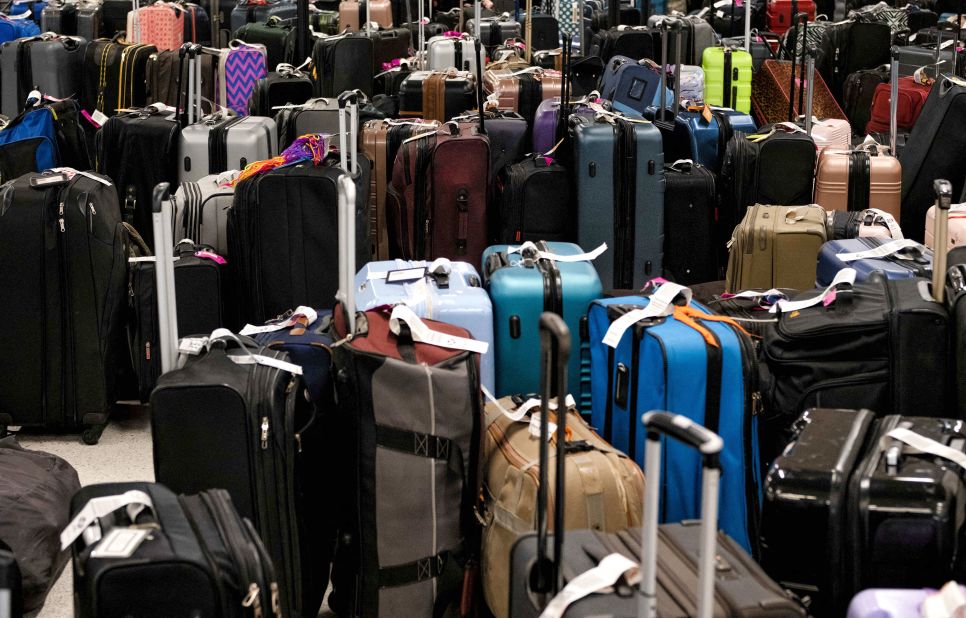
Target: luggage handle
893, 98
709, 444
346, 189
348, 153
478, 50
944, 198
669, 25
799, 18
555, 344
809, 88
161, 218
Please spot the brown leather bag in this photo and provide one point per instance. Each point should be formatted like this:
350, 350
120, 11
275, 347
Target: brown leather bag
604, 490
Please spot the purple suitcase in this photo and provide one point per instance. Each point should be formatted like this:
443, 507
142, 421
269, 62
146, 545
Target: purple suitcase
545, 122
889, 603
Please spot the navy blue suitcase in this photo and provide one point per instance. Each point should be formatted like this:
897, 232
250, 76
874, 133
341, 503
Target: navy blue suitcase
630, 85
903, 263
711, 377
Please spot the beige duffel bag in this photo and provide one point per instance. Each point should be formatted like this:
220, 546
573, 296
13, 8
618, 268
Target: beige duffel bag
604, 491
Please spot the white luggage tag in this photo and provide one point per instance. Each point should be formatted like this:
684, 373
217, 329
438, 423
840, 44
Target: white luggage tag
894, 230
521, 412
308, 313
844, 276
890, 248
601, 578
134, 501
71, 172
424, 334
948, 602
660, 304
547, 255
250, 358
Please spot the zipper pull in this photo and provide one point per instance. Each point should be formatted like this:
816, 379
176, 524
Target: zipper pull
276, 603
253, 600
264, 432
756, 404
60, 213
91, 206
147, 350
298, 442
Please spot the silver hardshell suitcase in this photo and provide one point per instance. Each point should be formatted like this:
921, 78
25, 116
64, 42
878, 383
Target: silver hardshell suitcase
447, 52
201, 210
220, 141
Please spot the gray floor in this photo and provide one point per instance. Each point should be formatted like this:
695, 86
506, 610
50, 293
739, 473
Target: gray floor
123, 454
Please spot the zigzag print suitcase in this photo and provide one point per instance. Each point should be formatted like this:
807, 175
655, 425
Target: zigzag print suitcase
239, 69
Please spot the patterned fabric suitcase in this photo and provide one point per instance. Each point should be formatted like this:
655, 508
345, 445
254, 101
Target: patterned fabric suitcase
161, 25
239, 69
770, 89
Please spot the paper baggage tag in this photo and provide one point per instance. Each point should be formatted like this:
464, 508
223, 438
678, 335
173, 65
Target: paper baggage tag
134, 500
268, 361
598, 579
928, 445
120, 543
894, 230
547, 255
889, 248
660, 304
844, 276
192, 345
308, 313
424, 334
71, 172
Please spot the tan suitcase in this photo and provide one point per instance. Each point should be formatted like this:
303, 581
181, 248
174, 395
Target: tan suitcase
379, 141
858, 179
776, 247
380, 11
504, 85
957, 227
604, 490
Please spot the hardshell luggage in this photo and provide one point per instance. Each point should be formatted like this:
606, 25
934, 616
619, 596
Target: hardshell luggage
219, 143
355, 14
524, 283
89, 20
50, 65
957, 227
73, 292
894, 259
855, 180
436, 95
444, 291
638, 43
449, 52
201, 210
727, 78
522, 92
60, 18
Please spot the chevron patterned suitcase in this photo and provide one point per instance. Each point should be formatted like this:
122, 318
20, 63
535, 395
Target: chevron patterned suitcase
239, 69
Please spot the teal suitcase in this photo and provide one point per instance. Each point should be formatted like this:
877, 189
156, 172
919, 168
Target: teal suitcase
521, 288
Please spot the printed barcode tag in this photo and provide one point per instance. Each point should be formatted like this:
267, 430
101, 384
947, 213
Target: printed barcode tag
424, 334
192, 345
844, 276
888, 248
660, 304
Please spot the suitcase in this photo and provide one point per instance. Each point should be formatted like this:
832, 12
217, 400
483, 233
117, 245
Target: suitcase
890, 602
692, 84
51, 65
436, 95
493, 31
859, 93
318, 115
690, 209
35, 492
780, 15
113, 17
198, 275
912, 98
533, 196
703, 573
324, 22
546, 123
516, 283
75, 293
197, 24
862, 224
631, 86
445, 52
935, 60
507, 132
354, 14
341, 63
845, 354
252, 407
201, 544
928, 153
540, 31
449, 292
905, 260
260, 11
277, 35
112, 71
201, 210
278, 89
619, 164
389, 45
240, 66
761, 49
60, 18
522, 92
957, 227
775, 247
381, 140
408, 443
89, 20
602, 491
638, 42
671, 360
280, 232
167, 78
218, 143
858, 179
161, 25
727, 74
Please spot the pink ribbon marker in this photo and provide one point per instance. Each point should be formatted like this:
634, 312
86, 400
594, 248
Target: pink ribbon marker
208, 255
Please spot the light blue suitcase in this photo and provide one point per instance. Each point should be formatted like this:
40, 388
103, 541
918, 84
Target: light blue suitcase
522, 288
452, 293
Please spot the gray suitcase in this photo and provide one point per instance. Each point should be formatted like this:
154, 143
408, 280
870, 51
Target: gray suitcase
89, 20
494, 31
59, 17
201, 210
320, 115
56, 64
445, 52
221, 141
947, 61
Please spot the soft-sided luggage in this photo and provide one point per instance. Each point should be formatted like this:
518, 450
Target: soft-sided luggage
522, 92
644, 352
276, 35
862, 224
343, 62
240, 66
619, 164
29, 143
525, 280
260, 11
727, 78
932, 151
199, 544
167, 77
286, 86
630, 85
113, 76
62, 255
881, 345
860, 487
444, 291
690, 209
858, 94
280, 228
253, 407
408, 532
495, 30
34, 507
895, 259
160, 24
780, 15
912, 98
603, 491
776, 247
201, 210
636, 42
534, 201
540, 30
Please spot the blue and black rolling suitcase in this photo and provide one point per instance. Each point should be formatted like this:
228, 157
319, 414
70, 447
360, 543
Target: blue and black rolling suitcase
649, 353
904, 259
524, 282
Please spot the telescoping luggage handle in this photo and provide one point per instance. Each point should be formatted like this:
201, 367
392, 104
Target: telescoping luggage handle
893, 98
161, 218
346, 189
669, 26
944, 198
800, 18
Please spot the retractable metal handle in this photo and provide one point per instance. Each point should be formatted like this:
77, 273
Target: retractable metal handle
161, 219
369, 18
944, 198
709, 444
893, 99
747, 25
346, 188
809, 87
478, 25
421, 52
348, 155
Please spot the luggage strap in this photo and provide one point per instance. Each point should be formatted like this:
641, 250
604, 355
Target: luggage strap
689, 316
420, 570
926, 445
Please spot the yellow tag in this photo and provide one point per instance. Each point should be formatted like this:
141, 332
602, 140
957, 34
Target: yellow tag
706, 113
795, 314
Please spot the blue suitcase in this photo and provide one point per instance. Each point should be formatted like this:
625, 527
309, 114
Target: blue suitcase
524, 286
308, 346
662, 363
915, 261
630, 85
452, 292
619, 167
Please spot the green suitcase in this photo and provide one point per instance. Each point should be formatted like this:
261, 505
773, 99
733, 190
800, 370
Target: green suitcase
727, 78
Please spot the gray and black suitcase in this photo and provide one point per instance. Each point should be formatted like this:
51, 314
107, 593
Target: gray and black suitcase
50, 64
59, 17
89, 22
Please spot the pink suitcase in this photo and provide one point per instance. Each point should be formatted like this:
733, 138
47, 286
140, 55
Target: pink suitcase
832, 133
957, 226
160, 24
890, 603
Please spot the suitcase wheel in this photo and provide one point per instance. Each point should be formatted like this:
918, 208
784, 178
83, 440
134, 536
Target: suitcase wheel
92, 435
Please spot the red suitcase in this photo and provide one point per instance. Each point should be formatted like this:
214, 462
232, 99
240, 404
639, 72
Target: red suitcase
780, 14
912, 97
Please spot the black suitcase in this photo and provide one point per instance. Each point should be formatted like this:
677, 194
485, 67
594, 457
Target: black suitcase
535, 202
541, 31
388, 45
459, 97
114, 75
59, 17
201, 558
291, 87
62, 257
956, 303
124, 144
760, 48
198, 282
342, 63
633, 42
936, 148
690, 208
868, 511
278, 37
689, 553
858, 92
11, 590
89, 22
114, 16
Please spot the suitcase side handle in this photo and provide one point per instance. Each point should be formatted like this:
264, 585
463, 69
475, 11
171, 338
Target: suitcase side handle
709, 444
